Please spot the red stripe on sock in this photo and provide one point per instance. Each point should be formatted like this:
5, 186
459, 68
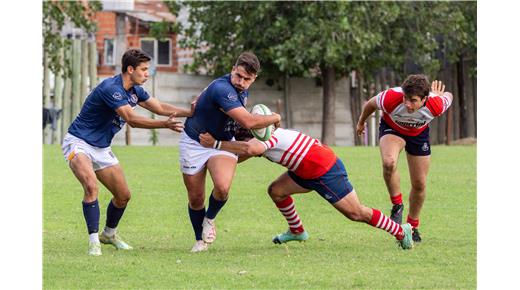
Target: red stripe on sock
284, 203
376, 214
414, 223
398, 199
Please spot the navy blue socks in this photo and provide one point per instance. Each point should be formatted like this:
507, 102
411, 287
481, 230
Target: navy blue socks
214, 206
91, 214
114, 214
196, 218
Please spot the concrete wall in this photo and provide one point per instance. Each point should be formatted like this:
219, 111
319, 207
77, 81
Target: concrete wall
306, 101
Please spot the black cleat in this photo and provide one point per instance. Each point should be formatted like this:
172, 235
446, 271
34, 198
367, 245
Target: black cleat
397, 213
415, 236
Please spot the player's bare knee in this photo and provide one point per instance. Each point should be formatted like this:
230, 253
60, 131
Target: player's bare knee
122, 199
221, 191
389, 165
274, 191
196, 202
91, 189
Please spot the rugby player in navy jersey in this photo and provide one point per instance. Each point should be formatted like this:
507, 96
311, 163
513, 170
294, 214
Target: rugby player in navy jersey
220, 106
86, 146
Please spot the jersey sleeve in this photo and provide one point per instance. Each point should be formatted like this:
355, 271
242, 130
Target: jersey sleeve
114, 98
438, 104
225, 97
141, 93
389, 99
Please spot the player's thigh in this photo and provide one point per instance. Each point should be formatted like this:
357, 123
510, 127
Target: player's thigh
418, 167
222, 170
82, 168
195, 183
390, 146
113, 178
285, 185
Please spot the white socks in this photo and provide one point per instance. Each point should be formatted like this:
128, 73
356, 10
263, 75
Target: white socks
109, 232
93, 238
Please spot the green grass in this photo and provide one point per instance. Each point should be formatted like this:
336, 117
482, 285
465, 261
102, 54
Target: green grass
339, 254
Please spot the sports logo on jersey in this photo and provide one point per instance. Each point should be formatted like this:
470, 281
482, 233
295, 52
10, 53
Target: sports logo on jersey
133, 98
425, 147
117, 96
232, 97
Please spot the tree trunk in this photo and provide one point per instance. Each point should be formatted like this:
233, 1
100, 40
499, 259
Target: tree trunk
287, 101
58, 99
463, 110
84, 71
355, 104
92, 64
328, 134
67, 92
46, 95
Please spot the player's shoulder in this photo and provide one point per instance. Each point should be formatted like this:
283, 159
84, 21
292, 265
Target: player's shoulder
395, 92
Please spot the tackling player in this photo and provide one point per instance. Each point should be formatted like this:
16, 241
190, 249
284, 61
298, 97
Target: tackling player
407, 111
86, 146
311, 166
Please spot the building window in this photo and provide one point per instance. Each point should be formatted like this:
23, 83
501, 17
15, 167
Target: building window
109, 54
160, 51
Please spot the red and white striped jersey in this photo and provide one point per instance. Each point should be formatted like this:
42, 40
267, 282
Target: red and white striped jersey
397, 117
303, 155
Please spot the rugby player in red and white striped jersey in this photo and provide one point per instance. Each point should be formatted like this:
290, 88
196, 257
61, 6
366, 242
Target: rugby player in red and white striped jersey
407, 111
311, 166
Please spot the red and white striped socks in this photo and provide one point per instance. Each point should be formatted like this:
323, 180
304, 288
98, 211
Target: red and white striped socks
286, 207
379, 220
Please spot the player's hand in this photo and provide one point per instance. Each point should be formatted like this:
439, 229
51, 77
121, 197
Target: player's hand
438, 87
193, 105
277, 125
206, 140
173, 124
278, 117
360, 128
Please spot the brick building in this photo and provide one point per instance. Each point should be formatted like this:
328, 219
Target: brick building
134, 18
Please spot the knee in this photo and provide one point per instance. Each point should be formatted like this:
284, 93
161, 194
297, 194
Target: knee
274, 191
419, 186
221, 191
196, 200
122, 198
389, 165
91, 189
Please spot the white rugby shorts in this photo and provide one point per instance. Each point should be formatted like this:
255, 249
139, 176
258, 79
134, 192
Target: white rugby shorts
193, 156
100, 157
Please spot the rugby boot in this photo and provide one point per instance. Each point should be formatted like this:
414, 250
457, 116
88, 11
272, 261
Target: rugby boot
209, 231
397, 213
94, 249
114, 240
289, 236
407, 242
416, 236
200, 246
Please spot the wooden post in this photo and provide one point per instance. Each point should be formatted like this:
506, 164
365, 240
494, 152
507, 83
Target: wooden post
58, 99
287, 101
67, 94
46, 94
92, 64
84, 71
76, 82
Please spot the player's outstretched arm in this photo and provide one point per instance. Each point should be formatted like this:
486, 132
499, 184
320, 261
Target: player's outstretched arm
165, 109
252, 147
249, 121
369, 108
137, 121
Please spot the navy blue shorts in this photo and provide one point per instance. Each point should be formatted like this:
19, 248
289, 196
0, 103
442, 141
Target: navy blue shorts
333, 185
415, 145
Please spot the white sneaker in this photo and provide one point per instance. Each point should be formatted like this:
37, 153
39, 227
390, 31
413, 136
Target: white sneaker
209, 231
94, 249
200, 246
116, 241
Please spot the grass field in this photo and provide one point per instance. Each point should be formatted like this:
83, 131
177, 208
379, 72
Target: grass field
339, 254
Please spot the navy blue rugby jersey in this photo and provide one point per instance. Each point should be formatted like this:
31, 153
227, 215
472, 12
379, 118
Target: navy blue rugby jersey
98, 122
216, 99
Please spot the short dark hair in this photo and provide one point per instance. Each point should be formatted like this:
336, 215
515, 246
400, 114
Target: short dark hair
242, 134
249, 61
134, 57
416, 85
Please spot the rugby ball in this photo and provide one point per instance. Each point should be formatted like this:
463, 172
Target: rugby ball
262, 134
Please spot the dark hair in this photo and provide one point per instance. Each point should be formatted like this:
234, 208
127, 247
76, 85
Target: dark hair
416, 85
249, 61
242, 134
133, 57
